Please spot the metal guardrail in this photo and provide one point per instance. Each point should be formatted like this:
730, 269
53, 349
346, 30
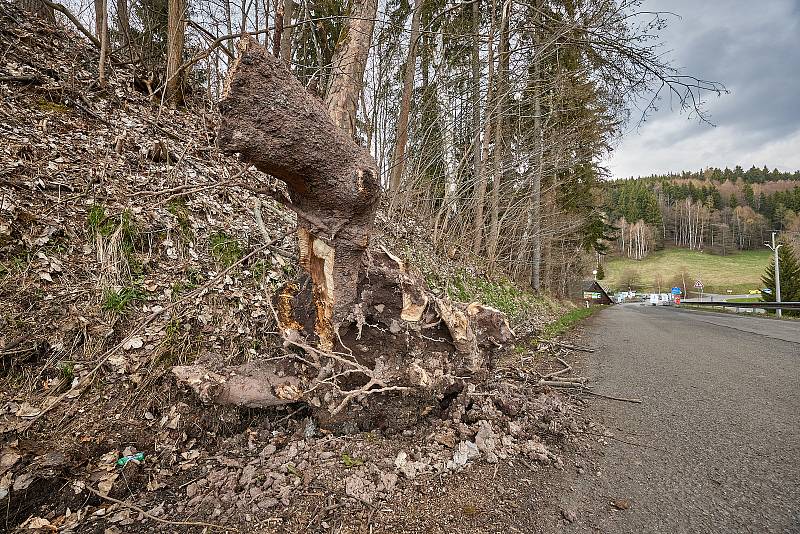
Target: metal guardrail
761, 305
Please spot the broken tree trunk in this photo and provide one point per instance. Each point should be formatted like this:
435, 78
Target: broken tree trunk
367, 344
276, 125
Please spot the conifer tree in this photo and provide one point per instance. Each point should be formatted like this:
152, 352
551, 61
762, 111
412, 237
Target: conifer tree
789, 273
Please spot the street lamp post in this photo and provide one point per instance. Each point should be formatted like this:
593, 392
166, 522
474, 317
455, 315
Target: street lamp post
774, 249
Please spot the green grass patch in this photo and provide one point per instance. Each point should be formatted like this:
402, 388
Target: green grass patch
180, 210
67, 371
225, 249
118, 301
739, 272
46, 105
744, 299
98, 222
349, 461
567, 321
501, 294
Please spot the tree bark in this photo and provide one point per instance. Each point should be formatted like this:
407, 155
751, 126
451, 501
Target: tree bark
349, 62
480, 200
534, 229
275, 124
101, 17
101, 14
444, 116
480, 178
176, 30
398, 161
123, 21
499, 140
286, 36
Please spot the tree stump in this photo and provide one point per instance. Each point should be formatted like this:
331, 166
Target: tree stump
362, 330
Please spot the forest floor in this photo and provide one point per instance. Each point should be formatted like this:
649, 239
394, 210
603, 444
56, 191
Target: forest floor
738, 272
129, 245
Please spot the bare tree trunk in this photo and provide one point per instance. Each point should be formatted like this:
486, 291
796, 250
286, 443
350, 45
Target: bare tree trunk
276, 125
398, 161
444, 116
480, 176
536, 185
101, 22
100, 14
499, 141
277, 39
487, 133
123, 20
286, 36
226, 5
176, 29
349, 62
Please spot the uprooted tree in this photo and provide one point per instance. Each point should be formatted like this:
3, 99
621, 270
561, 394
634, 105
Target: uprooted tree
362, 330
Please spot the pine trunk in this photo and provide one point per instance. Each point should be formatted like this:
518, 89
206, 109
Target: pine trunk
398, 161
480, 175
499, 139
176, 11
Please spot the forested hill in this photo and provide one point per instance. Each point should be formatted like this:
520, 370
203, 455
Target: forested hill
719, 210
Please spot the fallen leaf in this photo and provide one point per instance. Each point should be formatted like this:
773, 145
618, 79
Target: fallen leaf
133, 343
35, 523
104, 486
5, 484
23, 481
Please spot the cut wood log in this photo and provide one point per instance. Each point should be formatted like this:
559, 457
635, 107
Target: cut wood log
275, 124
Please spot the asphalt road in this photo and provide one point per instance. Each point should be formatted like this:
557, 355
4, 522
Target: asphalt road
715, 446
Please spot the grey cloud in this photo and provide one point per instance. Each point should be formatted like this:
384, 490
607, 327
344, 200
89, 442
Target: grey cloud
751, 47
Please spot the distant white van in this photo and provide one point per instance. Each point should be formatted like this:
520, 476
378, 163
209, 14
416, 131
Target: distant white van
660, 299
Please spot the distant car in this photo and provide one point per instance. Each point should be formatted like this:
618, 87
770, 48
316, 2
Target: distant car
767, 290
660, 299
754, 292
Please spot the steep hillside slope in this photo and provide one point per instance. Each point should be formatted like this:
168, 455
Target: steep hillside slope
129, 244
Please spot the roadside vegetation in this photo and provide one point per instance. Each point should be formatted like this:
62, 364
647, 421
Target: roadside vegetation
567, 321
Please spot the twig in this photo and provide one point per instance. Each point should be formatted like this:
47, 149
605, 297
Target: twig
620, 440
560, 384
637, 401
568, 346
34, 80
158, 519
581, 379
567, 369
182, 188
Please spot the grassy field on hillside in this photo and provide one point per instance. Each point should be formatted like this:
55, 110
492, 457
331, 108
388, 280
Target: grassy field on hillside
739, 272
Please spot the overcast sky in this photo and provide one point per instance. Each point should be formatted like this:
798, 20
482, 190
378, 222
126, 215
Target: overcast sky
753, 47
